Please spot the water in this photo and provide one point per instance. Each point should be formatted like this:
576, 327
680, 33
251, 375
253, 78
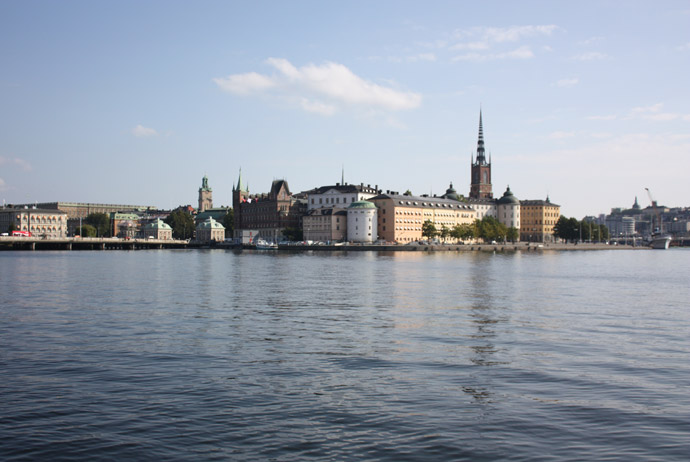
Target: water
214, 355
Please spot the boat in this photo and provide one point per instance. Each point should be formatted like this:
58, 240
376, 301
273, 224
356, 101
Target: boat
660, 241
266, 245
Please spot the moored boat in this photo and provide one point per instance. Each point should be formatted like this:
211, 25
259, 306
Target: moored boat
265, 245
661, 241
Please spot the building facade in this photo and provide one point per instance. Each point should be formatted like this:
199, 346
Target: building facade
537, 219
210, 231
268, 214
362, 222
46, 223
158, 230
325, 225
508, 210
339, 195
400, 217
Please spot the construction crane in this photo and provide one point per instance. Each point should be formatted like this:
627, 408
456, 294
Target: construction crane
656, 210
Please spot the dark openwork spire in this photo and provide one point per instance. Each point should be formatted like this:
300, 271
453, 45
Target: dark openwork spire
481, 159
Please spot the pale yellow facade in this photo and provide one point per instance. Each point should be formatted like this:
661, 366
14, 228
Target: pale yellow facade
537, 219
400, 218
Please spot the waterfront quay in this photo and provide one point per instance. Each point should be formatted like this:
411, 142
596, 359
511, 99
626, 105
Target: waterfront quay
112, 243
509, 247
87, 243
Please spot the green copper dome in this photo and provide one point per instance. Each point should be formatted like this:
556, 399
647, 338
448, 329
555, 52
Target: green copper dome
362, 205
508, 198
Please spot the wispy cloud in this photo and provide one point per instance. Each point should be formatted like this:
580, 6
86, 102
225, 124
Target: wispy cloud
685, 47
523, 52
15, 162
481, 43
141, 132
602, 117
590, 56
655, 113
311, 84
564, 83
3, 185
561, 135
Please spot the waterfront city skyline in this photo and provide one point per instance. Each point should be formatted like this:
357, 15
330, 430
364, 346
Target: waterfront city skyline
134, 102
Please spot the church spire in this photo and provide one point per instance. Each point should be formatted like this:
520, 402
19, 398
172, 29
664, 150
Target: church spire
481, 159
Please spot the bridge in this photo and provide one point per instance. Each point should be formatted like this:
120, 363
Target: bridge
87, 243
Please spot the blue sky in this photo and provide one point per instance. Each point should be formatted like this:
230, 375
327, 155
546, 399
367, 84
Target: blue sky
133, 102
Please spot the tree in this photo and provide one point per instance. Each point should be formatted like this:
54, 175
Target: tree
293, 234
513, 234
407, 193
462, 232
490, 229
444, 233
87, 231
429, 230
11, 227
100, 222
181, 223
229, 223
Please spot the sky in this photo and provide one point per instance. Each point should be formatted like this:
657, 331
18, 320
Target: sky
133, 102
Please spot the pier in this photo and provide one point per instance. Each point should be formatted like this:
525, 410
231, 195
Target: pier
87, 243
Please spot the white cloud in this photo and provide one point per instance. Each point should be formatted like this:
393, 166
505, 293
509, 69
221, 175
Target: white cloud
561, 135
140, 131
470, 46
522, 52
590, 56
654, 113
564, 83
603, 117
422, 57
3, 185
329, 80
515, 33
685, 47
243, 84
318, 107
16, 162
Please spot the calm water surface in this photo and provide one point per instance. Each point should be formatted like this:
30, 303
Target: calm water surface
215, 355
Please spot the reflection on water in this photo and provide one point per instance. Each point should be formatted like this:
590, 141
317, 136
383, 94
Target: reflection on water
348, 356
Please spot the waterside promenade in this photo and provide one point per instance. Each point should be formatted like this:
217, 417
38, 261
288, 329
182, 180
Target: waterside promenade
87, 243
108, 243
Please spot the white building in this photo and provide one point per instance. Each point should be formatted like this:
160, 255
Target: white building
362, 219
339, 195
508, 210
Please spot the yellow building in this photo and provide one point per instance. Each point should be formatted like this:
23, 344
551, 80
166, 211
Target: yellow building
400, 218
537, 219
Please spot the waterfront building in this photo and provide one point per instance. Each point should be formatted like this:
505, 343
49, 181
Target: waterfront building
80, 210
217, 213
362, 222
325, 224
205, 195
480, 187
400, 217
158, 230
269, 214
508, 210
124, 224
340, 195
47, 223
210, 231
127, 229
537, 219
